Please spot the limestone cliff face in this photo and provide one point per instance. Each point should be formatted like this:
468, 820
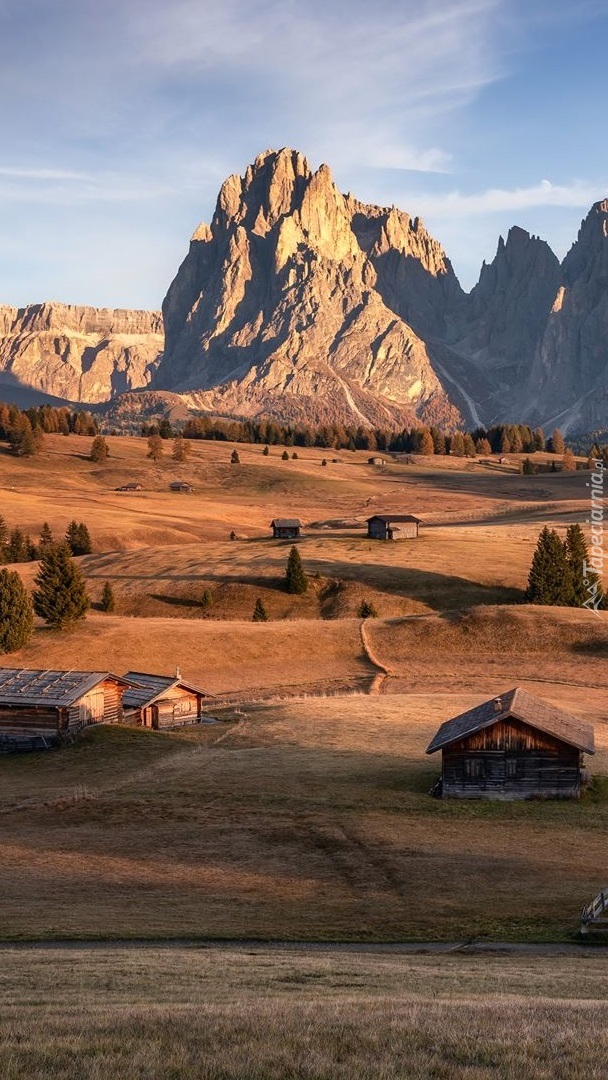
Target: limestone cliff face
283, 304
568, 380
81, 354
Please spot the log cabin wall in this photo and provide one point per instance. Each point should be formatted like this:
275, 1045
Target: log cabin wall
176, 708
28, 720
511, 760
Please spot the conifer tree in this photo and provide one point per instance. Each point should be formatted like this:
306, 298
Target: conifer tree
4, 535
366, 610
46, 536
16, 612
78, 538
568, 461
60, 597
295, 577
155, 447
557, 442
549, 580
18, 548
181, 449
206, 600
584, 582
234, 458
108, 600
259, 612
285, 456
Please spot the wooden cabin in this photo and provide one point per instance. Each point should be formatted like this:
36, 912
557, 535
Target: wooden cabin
162, 701
286, 528
181, 487
513, 747
40, 708
392, 527
376, 461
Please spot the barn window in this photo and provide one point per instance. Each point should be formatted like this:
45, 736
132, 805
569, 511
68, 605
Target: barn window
474, 768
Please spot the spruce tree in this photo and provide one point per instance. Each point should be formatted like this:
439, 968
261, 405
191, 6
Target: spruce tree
584, 583
108, 601
78, 538
16, 612
295, 577
206, 600
366, 610
18, 548
181, 449
4, 536
549, 580
285, 456
60, 597
259, 612
155, 447
46, 536
234, 458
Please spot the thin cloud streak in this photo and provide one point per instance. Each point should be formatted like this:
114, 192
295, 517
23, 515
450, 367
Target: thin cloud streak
495, 200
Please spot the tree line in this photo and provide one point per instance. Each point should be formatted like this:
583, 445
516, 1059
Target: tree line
24, 429
16, 546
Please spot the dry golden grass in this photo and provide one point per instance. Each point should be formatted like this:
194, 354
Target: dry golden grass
212, 1014
308, 819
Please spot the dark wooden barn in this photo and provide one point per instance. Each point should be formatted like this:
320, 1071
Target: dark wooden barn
392, 527
513, 747
181, 487
286, 528
44, 708
162, 701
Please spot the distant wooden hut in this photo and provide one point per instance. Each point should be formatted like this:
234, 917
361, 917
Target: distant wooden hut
41, 708
286, 528
392, 527
181, 487
162, 701
376, 461
513, 747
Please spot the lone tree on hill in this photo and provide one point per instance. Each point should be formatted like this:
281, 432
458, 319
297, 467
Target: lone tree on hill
366, 610
550, 579
60, 597
99, 449
259, 612
156, 447
285, 456
295, 577
234, 458
16, 612
46, 536
108, 600
181, 449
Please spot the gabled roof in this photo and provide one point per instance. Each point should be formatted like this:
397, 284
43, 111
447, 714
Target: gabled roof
388, 518
23, 686
145, 689
286, 523
522, 706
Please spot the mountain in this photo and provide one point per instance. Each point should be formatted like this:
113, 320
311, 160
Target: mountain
285, 305
302, 304
568, 379
77, 354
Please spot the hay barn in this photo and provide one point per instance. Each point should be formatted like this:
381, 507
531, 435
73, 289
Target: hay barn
40, 709
286, 528
162, 701
392, 527
513, 747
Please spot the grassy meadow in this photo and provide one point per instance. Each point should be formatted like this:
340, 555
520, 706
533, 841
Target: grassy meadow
220, 1014
303, 812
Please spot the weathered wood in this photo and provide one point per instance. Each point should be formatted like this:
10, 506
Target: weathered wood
591, 914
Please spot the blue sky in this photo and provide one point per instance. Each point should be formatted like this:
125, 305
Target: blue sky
121, 118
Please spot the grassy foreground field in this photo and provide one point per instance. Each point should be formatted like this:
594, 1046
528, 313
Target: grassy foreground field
304, 819
191, 1014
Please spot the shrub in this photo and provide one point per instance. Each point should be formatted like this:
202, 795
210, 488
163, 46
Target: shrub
108, 601
366, 610
206, 600
99, 449
259, 612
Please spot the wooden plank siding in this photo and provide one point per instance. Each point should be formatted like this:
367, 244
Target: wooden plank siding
102, 704
511, 760
176, 708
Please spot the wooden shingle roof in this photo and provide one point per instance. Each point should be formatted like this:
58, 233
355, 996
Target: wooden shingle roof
286, 523
523, 706
144, 689
388, 518
58, 689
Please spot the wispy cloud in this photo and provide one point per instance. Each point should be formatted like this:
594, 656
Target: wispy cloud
496, 200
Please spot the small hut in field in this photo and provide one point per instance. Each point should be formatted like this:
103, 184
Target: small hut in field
513, 747
286, 528
42, 708
181, 487
162, 701
392, 527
